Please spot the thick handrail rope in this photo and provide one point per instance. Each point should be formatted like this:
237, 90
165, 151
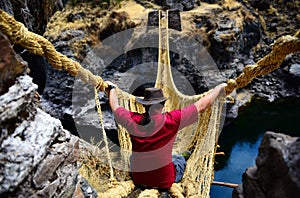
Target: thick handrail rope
19, 34
282, 47
199, 172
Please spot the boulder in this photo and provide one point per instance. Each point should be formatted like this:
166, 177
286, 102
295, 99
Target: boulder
34, 14
295, 70
38, 157
261, 4
37, 66
182, 5
277, 172
212, 1
11, 64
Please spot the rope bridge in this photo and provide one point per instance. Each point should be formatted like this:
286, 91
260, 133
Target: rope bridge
200, 138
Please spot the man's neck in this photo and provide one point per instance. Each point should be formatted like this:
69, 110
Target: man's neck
153, 111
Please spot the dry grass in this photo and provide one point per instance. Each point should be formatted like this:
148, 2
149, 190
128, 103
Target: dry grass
94, 166
96, 23
93, 169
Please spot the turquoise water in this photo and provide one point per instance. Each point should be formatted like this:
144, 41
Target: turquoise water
241, 138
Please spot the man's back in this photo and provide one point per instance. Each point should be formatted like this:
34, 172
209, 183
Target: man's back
151, 161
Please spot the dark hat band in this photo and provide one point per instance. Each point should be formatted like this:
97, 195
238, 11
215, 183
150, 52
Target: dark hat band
152, 96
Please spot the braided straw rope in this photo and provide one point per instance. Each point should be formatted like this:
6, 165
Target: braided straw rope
150, 193
18, 34
120, 189
282, 47
199, 172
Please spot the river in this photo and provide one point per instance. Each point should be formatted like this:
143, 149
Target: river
241, 138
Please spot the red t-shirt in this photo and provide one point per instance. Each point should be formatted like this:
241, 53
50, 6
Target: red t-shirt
151, 160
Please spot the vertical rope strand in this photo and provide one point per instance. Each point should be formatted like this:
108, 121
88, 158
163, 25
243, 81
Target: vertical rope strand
112, 178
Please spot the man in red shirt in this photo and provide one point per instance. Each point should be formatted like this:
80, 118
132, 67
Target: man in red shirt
153, 134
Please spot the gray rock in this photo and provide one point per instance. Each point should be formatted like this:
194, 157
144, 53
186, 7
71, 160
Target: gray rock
37, 69
229, 41
26, 148
212, 1
11, 65
295, 70
182, 5
16, 105
39, 158
32, 142
261, 4
34, 14
277, 171
7, 6
87, 190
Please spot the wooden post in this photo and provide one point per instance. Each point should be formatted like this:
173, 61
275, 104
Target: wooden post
229, 185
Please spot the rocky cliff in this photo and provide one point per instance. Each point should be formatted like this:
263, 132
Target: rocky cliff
235, 33
277, 171
34, 14
37, 156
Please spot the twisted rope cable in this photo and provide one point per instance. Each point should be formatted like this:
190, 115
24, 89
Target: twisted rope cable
17, 33
282, 47
121, 189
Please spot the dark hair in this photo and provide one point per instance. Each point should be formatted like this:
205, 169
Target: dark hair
147, 119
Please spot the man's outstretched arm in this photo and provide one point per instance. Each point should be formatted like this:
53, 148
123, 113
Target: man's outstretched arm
206, 101
113, 97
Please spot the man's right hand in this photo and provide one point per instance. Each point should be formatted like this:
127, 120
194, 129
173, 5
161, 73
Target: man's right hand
113, 96
203, 103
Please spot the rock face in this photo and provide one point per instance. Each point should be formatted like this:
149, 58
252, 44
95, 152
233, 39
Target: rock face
229, 30
37, 156
37, 66
75, 43
277, 171
11, 64
34, 14
181, 5
261, 5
